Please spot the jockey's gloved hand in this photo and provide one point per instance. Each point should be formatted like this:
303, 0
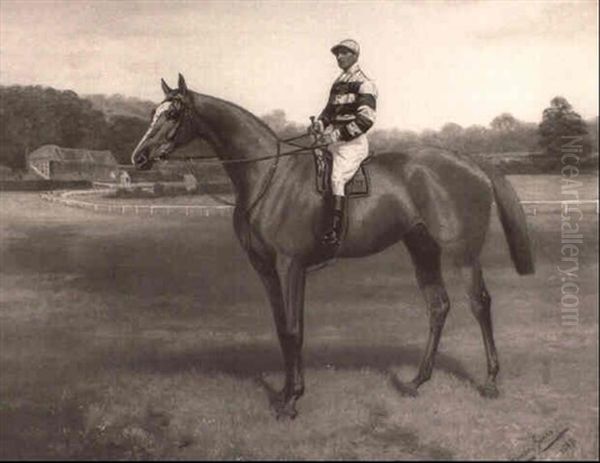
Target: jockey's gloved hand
330, 137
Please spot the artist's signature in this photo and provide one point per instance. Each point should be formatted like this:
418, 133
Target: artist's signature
553, 442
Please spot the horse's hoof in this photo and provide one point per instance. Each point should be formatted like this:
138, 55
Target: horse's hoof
407, 389
286, 411
489, 391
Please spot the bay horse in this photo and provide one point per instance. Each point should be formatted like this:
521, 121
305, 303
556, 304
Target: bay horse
432, 199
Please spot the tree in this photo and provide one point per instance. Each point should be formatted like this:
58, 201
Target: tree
278, 122
505, 122
123, 134
451, 136
384, 140
476, 139
508, 134
560, 124
32, 116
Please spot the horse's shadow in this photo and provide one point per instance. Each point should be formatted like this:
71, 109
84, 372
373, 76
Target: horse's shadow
257, 360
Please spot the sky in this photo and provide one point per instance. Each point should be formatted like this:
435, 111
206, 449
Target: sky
433, 61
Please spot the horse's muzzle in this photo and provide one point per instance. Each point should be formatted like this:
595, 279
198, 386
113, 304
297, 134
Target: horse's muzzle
141, 160
145, 158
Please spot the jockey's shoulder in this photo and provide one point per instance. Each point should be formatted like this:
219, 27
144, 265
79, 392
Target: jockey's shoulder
357, 75
367, 84
360, 75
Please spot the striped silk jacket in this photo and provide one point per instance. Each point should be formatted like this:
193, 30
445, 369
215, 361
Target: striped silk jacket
352, 104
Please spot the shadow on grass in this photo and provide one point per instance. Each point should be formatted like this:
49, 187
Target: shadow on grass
57, 429
251, 361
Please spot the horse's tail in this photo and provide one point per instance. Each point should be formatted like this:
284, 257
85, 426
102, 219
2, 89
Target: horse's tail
512, 217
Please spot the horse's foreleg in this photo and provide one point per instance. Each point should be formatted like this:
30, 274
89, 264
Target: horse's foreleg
289, 319
426, 256
481, 302
284, 280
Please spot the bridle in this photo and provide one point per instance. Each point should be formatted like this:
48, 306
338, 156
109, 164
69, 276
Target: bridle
184, 110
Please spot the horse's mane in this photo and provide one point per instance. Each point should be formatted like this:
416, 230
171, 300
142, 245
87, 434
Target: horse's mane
239, 108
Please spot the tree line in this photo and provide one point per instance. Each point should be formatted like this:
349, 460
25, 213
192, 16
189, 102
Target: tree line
33, 116
504, 134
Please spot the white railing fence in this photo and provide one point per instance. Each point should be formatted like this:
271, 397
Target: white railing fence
531, 207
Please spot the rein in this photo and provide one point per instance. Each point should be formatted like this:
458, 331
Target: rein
266, 183
300, 150
269, 177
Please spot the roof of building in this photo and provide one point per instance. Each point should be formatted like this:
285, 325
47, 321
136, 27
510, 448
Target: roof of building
57, 153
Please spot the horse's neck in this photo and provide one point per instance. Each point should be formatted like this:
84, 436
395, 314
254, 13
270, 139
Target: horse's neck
235, 134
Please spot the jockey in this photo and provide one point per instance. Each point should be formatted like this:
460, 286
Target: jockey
342, 125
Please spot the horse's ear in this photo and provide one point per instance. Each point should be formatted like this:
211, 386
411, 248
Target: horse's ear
165, 88
182, 85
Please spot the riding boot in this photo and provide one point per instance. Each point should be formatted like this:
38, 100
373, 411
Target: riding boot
336, 219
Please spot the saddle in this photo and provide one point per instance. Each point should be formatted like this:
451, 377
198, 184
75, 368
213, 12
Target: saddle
356, 187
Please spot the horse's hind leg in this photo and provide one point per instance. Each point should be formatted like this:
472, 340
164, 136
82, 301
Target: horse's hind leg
481, 302
426, 256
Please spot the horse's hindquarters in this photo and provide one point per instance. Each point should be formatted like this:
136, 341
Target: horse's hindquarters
450, 195
454, 198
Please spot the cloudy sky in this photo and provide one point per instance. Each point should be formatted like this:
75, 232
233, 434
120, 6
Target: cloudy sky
433, 62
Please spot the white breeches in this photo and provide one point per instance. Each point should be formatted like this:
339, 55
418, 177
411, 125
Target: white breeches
347, 156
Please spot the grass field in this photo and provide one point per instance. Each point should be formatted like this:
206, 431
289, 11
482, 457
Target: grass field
145, 338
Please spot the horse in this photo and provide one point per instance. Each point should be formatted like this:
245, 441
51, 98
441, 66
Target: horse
433, 199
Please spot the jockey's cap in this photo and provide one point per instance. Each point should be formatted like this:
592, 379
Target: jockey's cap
349, 44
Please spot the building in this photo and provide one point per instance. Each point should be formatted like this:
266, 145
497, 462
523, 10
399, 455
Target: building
52, 162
